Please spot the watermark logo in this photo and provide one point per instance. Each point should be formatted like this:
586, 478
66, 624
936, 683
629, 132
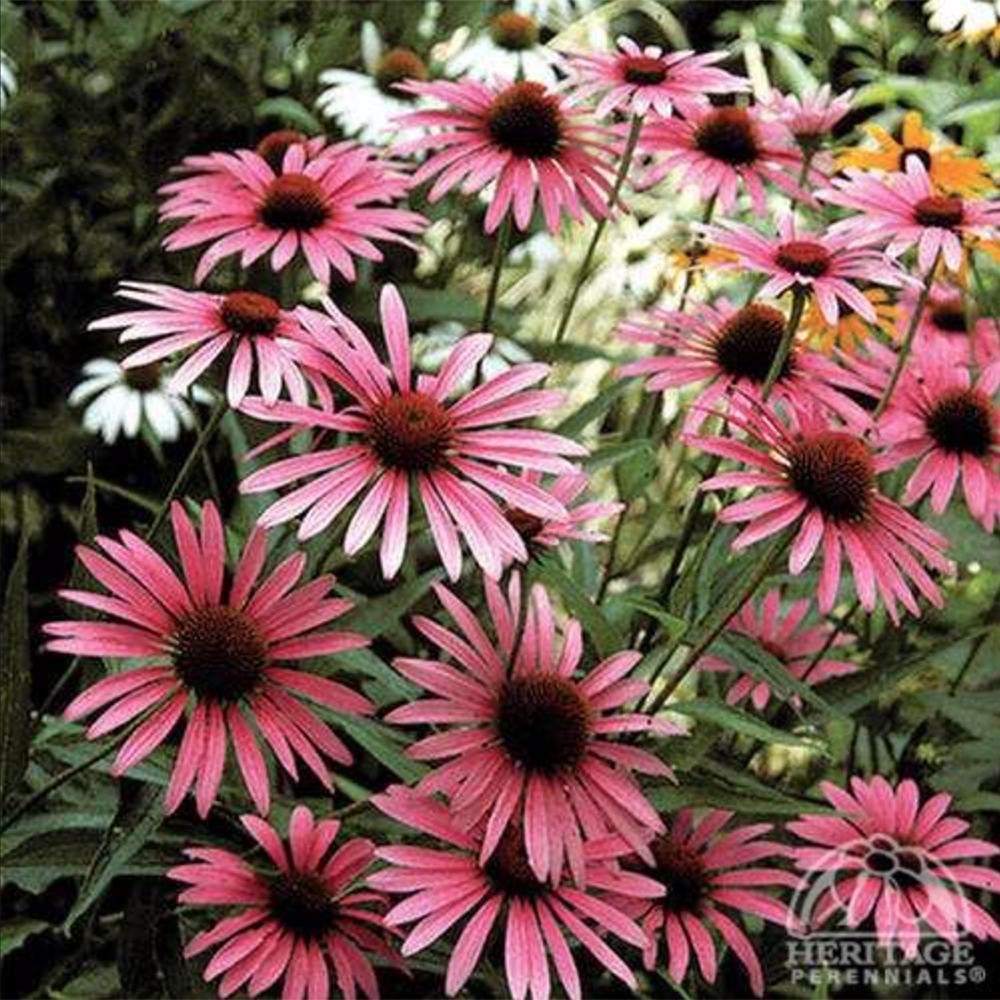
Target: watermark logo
875, 912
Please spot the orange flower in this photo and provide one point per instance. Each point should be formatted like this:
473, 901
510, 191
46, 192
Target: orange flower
850, 329
950, 168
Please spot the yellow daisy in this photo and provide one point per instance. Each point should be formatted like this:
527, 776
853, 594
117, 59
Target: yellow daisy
950, 168
850, 329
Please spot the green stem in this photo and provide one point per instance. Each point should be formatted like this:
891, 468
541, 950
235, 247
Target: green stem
499, 256
728, 610
626, 161
787, 339
904, 351
829, 641
189, 463
691, 516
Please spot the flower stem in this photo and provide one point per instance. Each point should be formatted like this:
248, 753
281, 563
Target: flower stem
189, 463
717, 621
635, 128
499, 256
787, 339
904, 351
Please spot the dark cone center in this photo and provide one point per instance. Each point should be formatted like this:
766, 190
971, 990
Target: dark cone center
834, 471
508, 867
942, 211
804, 257
644, 70
274, 145
219, 652
544, 722
525, 524
922, 156
961, 421
144, 378
396, 66
293, 201
728, 134
682, 872
411, 431
302, 904
250, 314
950, 316
525, 120
514, 32
746, 344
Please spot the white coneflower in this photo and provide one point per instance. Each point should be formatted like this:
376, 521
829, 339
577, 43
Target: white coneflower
966, 22
510, 48
121, 401
366, 105
8, 79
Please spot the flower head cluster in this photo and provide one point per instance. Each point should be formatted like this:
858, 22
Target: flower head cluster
522, 137
303, 912
329, 206
223, 658
636, 80
886, 857
533, 746
403, 432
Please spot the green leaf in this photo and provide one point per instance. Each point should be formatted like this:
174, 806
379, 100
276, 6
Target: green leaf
36, 863
392, 685
735, 719
139, 815
15, 675
604, 635
85, 532
748, 655
372, 616
674, 627
17, 930
576, 423
290, 112
383, 743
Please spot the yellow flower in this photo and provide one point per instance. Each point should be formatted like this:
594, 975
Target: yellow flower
850, 329
950, 168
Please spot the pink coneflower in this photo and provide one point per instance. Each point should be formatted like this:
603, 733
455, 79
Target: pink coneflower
822, 479
827, 265
905, 210
949, 421
550, 532
330, 207
950, 325
445, 886
810, 119
635, 80
783, 636
304, 911
716, 150
706, 874
522, 136
227, 658
531, 743
886, 856
205, 325
733, 350
401, 435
